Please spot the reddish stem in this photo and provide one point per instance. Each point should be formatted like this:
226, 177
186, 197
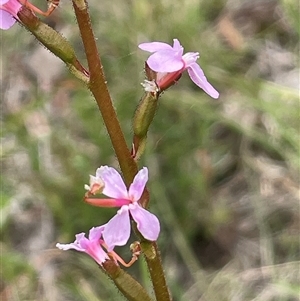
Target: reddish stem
99, 89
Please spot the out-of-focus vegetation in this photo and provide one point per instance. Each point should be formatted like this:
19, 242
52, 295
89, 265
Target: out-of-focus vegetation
224, 175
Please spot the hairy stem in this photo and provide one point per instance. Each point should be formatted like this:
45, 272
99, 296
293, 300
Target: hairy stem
98, 86
129, 287
156, 271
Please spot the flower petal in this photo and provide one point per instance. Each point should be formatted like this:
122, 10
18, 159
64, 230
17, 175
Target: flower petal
6, 20
96, 185
177, 46
114, 184
74, 245
90, 246
197, 76
190, 58
165, 61
96, 232
139, 182
117, 230
147, 223
154, 46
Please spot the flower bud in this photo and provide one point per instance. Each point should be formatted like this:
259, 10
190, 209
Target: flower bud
144, 113
50, 38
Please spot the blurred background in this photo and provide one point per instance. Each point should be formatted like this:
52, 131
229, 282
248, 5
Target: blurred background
224, 174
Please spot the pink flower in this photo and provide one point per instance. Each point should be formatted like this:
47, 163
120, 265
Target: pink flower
8, 13
169, 63
90, 246
117, 230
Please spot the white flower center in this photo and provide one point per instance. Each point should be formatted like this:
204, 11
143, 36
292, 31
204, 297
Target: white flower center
190, 57
150, 86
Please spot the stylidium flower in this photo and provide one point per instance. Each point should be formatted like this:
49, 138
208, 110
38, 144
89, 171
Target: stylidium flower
169, 63
8, 13
90, 245
117, 230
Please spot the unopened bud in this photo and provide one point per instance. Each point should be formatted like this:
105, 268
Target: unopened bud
144, 113
50, 38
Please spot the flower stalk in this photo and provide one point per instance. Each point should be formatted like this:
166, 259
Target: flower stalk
153, 260
98, 86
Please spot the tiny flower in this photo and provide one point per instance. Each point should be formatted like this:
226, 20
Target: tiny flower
8, 13
90, 246
169, 63
117, 230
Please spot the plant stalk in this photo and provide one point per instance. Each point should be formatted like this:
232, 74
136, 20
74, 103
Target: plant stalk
98, 86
